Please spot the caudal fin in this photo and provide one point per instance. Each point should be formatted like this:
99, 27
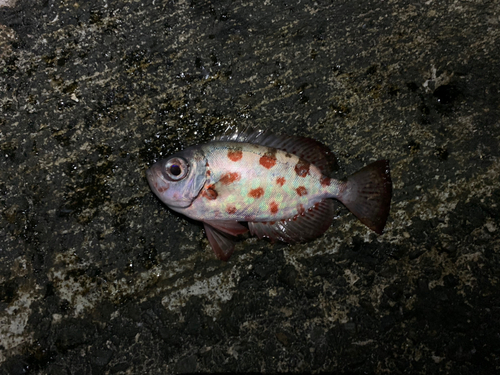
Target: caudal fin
368, 193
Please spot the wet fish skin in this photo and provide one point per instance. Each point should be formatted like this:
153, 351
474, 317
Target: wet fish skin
279, 185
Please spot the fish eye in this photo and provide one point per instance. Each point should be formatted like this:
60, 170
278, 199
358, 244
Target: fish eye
176, 169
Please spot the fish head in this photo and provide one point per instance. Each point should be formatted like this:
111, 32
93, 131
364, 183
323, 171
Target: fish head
178, 179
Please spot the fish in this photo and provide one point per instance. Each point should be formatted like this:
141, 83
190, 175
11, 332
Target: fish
273, 186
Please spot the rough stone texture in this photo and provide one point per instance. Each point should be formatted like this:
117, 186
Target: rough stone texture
97, 277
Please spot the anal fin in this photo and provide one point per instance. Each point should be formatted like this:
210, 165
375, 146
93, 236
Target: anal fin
301, 228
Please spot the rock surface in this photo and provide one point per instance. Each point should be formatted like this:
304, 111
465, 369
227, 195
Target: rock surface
97, 276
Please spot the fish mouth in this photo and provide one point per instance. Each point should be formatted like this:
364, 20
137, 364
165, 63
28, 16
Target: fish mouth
154, 177
150, 176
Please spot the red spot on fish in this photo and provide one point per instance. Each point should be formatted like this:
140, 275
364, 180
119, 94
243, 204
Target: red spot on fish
162, 189
229, 178
256, 193
302, 168
325, 181
280, 181
231, 210
268, 160
235, 155
210, 193
301, 191
273, 207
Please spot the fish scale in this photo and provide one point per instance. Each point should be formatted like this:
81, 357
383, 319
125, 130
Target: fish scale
279, 185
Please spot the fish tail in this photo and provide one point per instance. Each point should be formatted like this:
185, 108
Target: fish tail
367, 194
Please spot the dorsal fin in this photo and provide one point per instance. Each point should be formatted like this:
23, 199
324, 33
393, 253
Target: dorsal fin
302, 228
308, 149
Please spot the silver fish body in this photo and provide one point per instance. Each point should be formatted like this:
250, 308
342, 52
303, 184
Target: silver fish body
279, 185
